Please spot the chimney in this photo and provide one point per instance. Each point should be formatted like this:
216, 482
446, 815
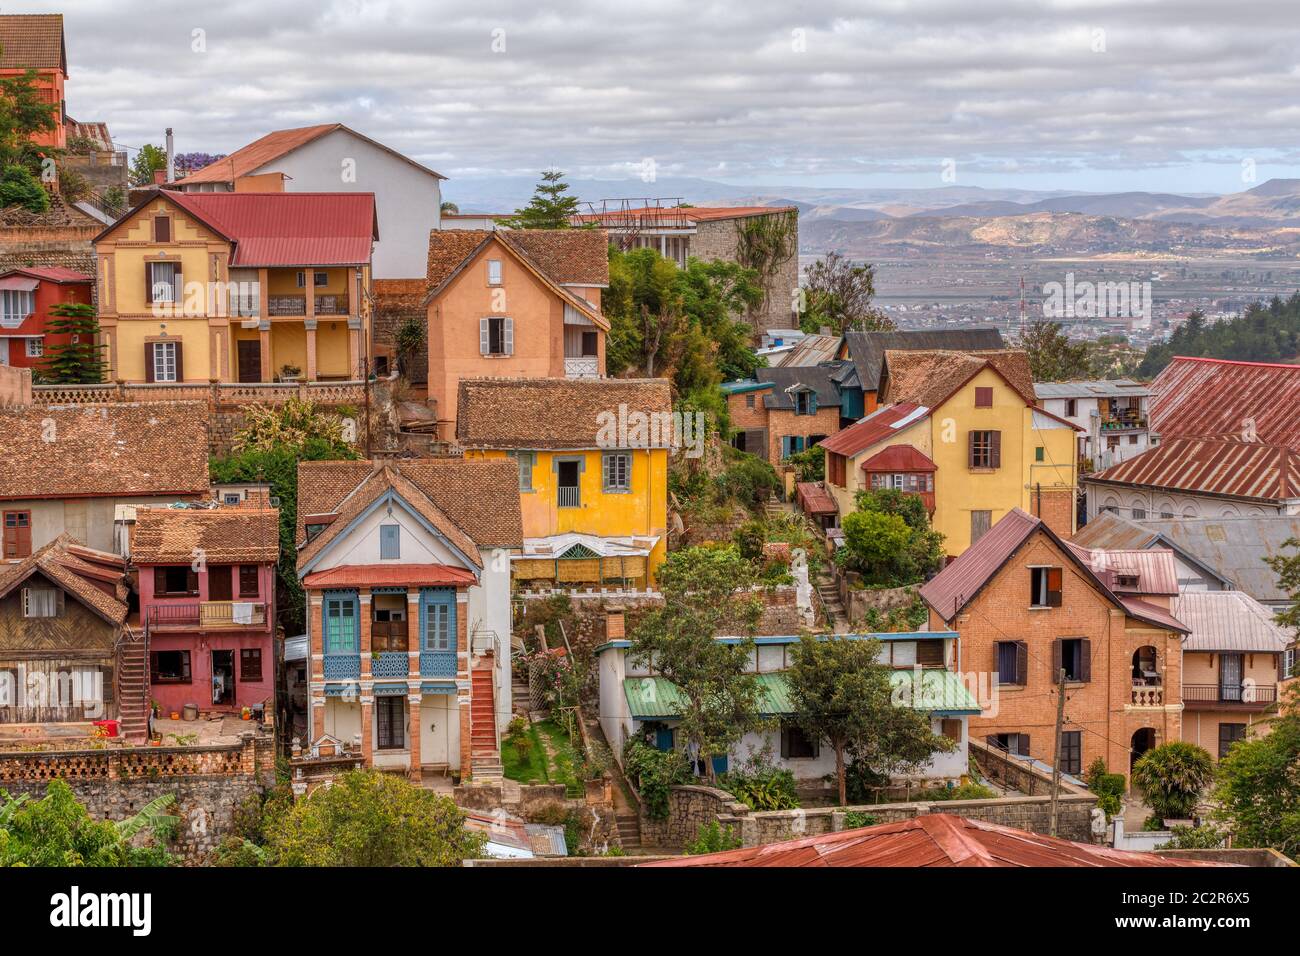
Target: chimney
159, 177
171, 158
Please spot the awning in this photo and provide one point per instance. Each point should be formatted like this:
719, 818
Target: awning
390, 690
428, 688
391, 575
18, 284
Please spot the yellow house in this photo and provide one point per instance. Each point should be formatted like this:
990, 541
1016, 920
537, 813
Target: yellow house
238, 287
593, 473
960, 430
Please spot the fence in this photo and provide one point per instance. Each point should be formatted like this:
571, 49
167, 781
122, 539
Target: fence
249, 757
216, 394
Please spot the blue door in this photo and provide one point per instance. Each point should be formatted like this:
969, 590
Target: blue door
664, 739
719, 765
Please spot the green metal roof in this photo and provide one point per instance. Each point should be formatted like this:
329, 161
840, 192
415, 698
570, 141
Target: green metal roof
938, 691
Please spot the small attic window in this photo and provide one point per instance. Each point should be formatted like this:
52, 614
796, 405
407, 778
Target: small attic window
315, 529
1126, 580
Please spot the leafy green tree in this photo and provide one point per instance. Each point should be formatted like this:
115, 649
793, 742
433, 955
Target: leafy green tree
1258, 785
18, 187
449, 209
1172, 778
706, 592
1052, 356
839, 295
369, 818
410, 340
1264, 332
148, 161
712, 837
79, 360
549, 208
24, 113
809, 464
58, 831
889, 540
1287, 568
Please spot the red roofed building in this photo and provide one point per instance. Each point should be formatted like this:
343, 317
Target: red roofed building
1201, 397
26, 296
1029, 604
238, 287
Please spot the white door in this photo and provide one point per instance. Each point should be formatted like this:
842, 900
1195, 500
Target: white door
4, 351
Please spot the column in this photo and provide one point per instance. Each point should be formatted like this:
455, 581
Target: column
464, 687
364, 611
414, 744
315, 667
367, 728
413, 636
264, 344
354, 348
310, 371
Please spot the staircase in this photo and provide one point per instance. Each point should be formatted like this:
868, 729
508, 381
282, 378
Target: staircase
836, 617
773, 507
629, 830
484, 746
520, 699
133, 687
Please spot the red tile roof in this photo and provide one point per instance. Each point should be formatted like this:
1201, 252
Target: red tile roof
32, 41
289, 229
390, 575
227, 535
94, 578
932, 839
1212, 466
899, 458
881, 424
1194, 397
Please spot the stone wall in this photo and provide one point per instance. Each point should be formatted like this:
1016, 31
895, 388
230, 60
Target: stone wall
690, 808
718, 239
397, 300
858, 602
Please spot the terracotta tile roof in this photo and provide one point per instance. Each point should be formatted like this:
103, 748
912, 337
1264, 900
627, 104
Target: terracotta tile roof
32, 41
226, 535
389, 575
1196, 397
449, 251
1230, 621
59, 274
480, 497
98, 132
546, 413
867, 349
881, 424
249, 159
569, 256
95, 578
932, 839
928, 377
88, 451
1211, 466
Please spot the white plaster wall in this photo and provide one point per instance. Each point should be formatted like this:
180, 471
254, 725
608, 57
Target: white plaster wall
489, 610
407, 199
1156, 503
342, 719
416, 546
614, 720
440, 730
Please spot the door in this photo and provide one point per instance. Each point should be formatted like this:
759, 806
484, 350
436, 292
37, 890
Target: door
390, 719
664, 739
568, 484
219, 583
1230, 677
223, 678
250, 360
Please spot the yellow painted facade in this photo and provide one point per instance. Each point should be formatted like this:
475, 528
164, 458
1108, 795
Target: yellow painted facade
640, 511
322, 336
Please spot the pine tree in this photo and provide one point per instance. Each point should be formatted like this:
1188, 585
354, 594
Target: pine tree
78, 360
549, 208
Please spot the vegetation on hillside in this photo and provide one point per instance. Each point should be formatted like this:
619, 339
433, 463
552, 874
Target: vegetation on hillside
1265, 332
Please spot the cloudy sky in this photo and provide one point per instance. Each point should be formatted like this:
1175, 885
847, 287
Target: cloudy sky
1055, 94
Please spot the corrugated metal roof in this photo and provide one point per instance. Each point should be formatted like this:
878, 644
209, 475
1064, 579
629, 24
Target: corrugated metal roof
787, 380
811, 350
931, 839
1211, 466
814, 499
1202, 396
949, 590
1103, 388
899, 458
1154, 568
884, 422
1152, 614
1228, 621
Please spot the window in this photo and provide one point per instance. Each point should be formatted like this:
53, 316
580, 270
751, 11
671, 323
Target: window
951, 728
985, 449
983, 397
439, 626
162, 228
1166, 514
231, 498
164, 279
1126, 580
169, 667
1012, 743
250, 663
42, 602
567, 488
164, 365
929, 653
1139, 513
219, 583
17, 534
805, 403
618, 471
35, 348
1072, 752
315, 529
340, 626
390, 541
496, 335
1012, 662
1044, 587
590, 345
15, 306
494, 271
1039, 453
248, 580
836, 467
175, 580
980, 522
749, 401
390, 722
791, 445
1288, 663
1229, 734
1074, 654
317, 278
1112, 443
1071, 407
1132, 439
795, 744
527, 461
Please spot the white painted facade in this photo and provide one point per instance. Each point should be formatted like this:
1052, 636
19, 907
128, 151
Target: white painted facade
1138, 502
1104, 447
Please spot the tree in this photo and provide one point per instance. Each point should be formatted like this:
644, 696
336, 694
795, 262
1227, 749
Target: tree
1258, 788
1172, 778
1052, 356
1264, 332
58, 831
839, 295
410, 340
706, 592
449, 209
889, 540
370, 818
1287, 568
186, 163
549, 208
18, 187
25, 113
148, 160
79, 360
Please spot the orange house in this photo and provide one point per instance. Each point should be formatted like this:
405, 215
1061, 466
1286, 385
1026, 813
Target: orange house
35, 42
520, 303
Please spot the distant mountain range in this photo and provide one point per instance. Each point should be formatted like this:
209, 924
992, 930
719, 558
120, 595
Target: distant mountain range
869, 223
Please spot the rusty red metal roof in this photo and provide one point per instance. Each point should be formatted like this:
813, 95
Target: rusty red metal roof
59, 274
883, 423
390, 575
814, 499
899, 458
1212, 466
289, 229
1154, 568
932, 839
1196, 397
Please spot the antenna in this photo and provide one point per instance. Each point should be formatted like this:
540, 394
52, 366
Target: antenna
1022, 309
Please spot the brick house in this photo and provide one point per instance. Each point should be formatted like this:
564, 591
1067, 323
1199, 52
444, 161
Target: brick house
406, 571
783, 411
35, 42
1027, 603
26, 297
206, 579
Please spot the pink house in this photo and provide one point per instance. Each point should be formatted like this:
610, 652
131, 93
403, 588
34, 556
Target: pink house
207, 603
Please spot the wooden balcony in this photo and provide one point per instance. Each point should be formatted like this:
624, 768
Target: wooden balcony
296, 305
1229, 696
208, 615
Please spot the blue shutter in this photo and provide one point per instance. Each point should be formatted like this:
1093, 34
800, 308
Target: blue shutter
390, 541
812, 403
438, 626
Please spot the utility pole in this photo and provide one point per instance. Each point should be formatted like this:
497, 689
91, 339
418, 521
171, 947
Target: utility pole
1056, 753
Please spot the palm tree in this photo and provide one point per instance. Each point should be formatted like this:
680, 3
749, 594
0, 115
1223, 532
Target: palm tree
1172, 777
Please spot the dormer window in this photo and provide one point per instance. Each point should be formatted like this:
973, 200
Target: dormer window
1126, 580
805, 402
315, 529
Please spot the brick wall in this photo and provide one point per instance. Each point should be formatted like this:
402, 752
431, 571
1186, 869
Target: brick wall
781, 423
1056, 508
397, 300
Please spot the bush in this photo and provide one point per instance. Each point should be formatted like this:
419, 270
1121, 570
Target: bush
1196, 838
713, 838
1172, 777
750, 538
749, 480
809, 464
965, 791
856, 820
653, 772
18, 187
761, 787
